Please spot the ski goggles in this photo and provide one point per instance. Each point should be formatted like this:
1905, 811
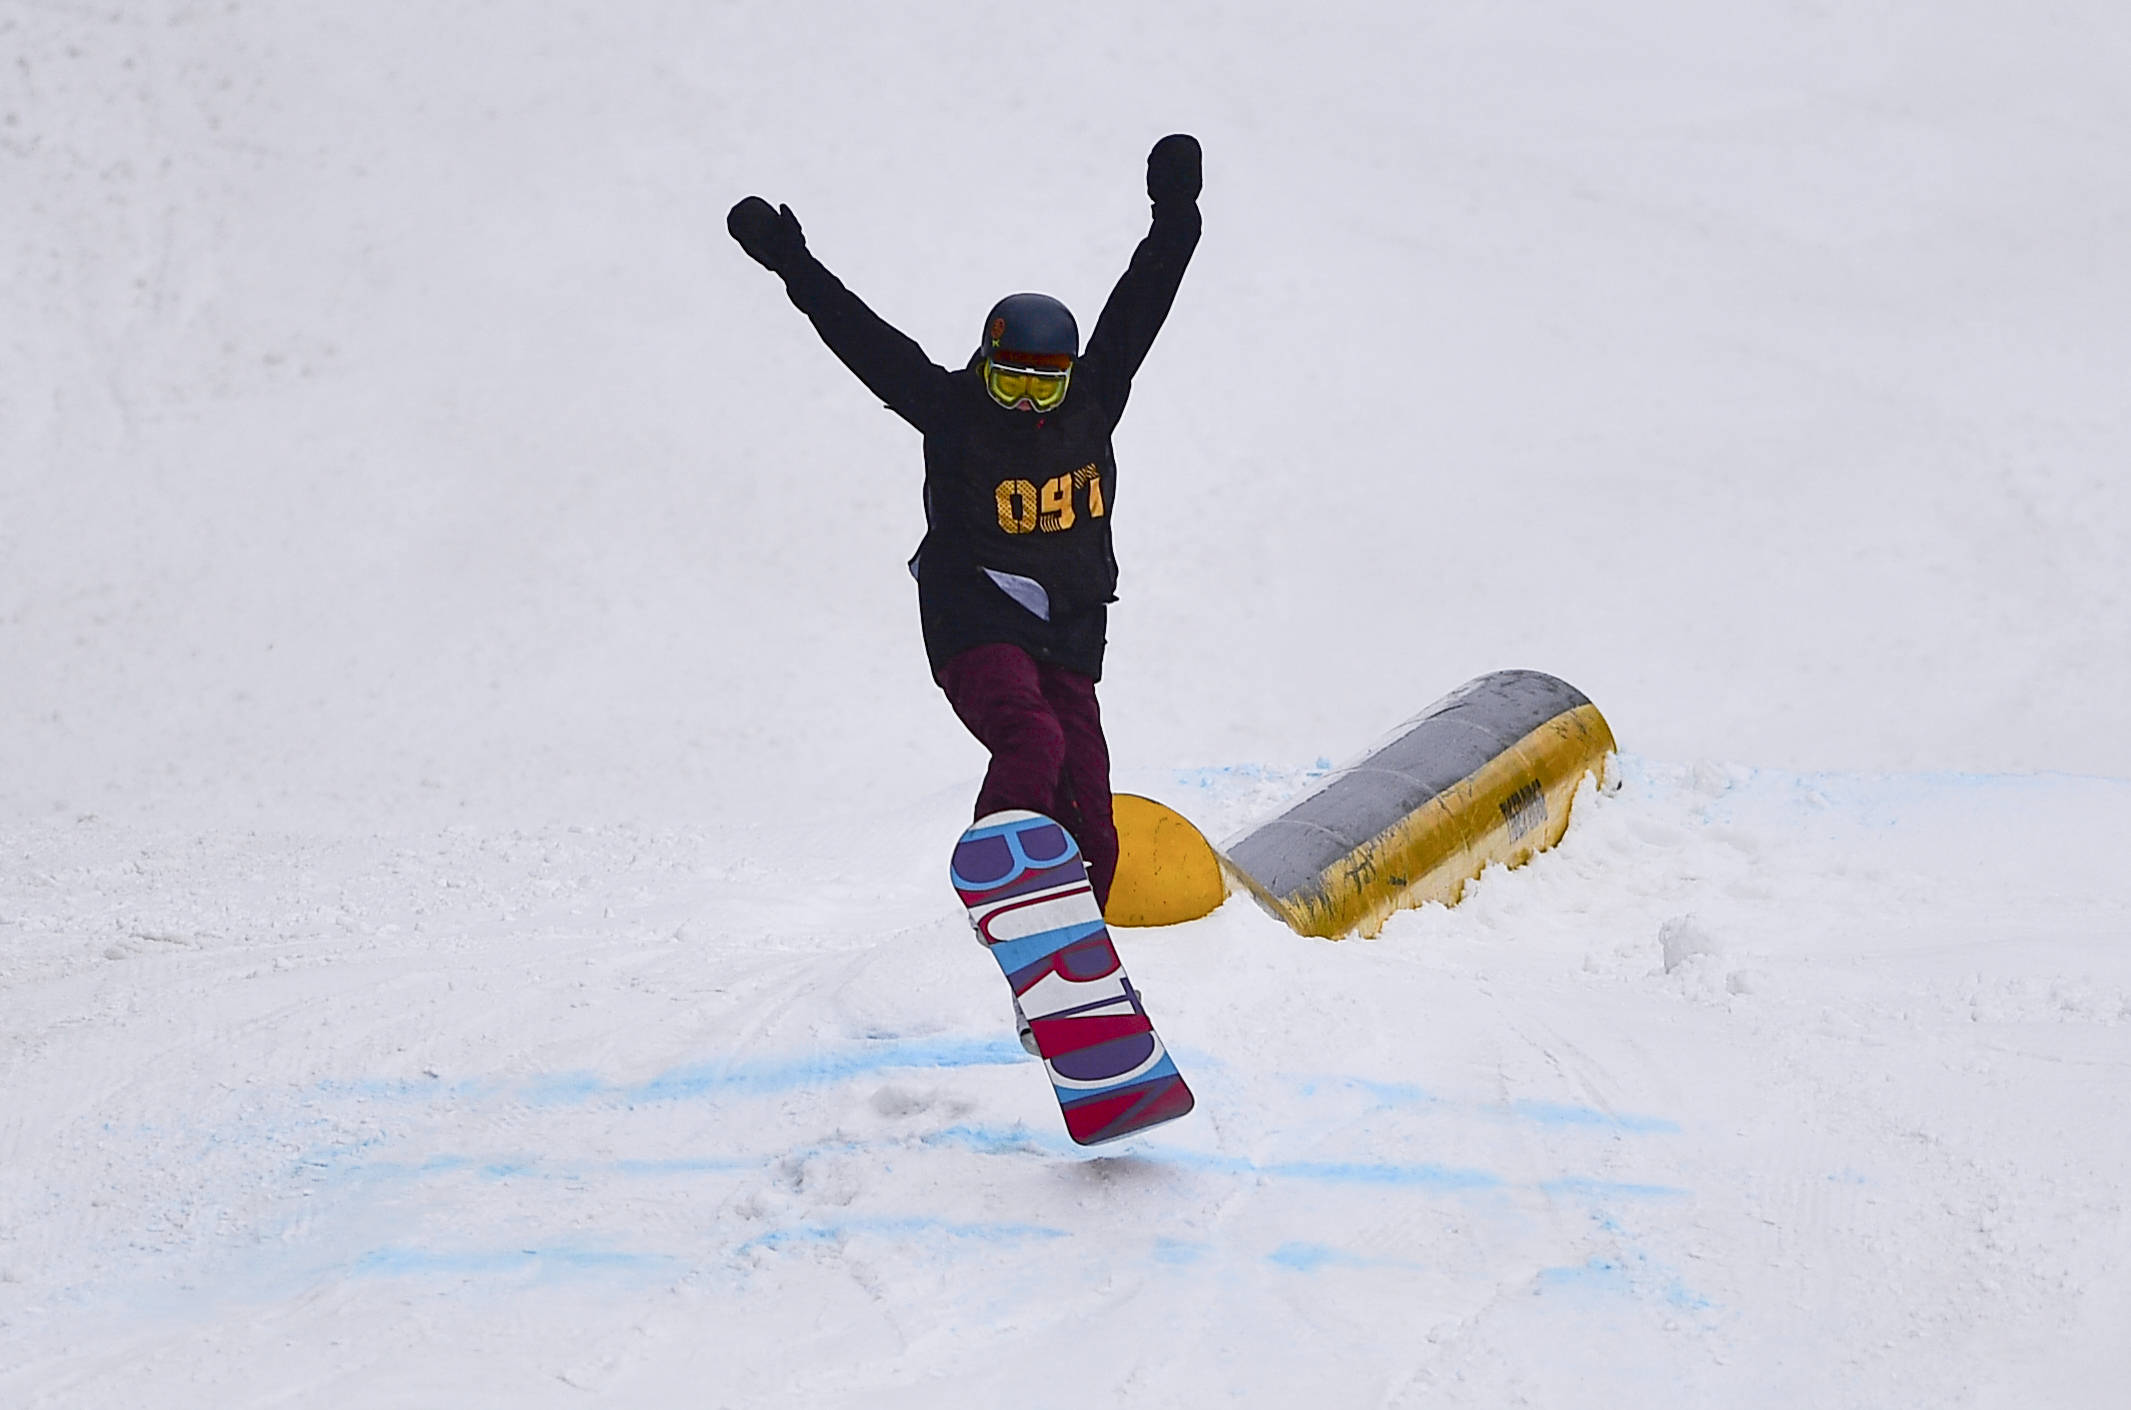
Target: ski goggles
1041, 387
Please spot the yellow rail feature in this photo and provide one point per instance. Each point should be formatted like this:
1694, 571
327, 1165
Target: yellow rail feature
1484, 775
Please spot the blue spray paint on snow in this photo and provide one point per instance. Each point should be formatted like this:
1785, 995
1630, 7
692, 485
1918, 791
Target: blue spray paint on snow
718, 1077
904, 1228
1437, 1177
1558, 1114
1014, 1140
1584, 1188
1180, 1253
1407, 1094
1020, 1141
563, 1089
762, 1078
737, 1077
535, 1168
694, 1165
1309, 1258
1388, 1094
417, 1262
1631, 1275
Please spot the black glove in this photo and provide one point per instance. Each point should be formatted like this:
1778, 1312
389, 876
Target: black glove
1173, 169
771, 238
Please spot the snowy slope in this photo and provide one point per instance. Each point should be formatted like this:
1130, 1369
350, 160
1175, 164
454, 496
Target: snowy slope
493, 1116
472, 813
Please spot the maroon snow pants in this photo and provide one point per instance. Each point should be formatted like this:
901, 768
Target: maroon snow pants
1044, 731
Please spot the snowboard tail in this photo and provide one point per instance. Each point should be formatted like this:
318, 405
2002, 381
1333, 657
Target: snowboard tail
1022, 877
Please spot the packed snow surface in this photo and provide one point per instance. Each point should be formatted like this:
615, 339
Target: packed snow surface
473, 817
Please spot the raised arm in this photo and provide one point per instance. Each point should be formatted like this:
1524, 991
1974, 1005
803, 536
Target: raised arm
891, 365
1141, 300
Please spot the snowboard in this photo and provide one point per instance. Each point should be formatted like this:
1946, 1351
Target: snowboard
1026, 887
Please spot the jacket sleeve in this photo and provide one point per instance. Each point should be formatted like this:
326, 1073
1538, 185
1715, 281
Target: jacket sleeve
892, 365
1139, 304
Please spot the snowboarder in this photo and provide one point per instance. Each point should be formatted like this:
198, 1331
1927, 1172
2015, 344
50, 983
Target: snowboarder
1015, 572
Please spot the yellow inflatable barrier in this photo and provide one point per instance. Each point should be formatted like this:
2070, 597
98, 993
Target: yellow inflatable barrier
1484, 775
1167, 872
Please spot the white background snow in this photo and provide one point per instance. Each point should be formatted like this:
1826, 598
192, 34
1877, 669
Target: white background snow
473, 815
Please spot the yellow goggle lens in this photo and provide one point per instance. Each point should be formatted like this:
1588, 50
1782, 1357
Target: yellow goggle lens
1008, 385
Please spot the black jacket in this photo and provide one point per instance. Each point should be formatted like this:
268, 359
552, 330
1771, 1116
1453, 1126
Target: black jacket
1026, 495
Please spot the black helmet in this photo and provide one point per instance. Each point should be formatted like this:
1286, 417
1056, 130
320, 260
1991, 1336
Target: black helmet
1035, 326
